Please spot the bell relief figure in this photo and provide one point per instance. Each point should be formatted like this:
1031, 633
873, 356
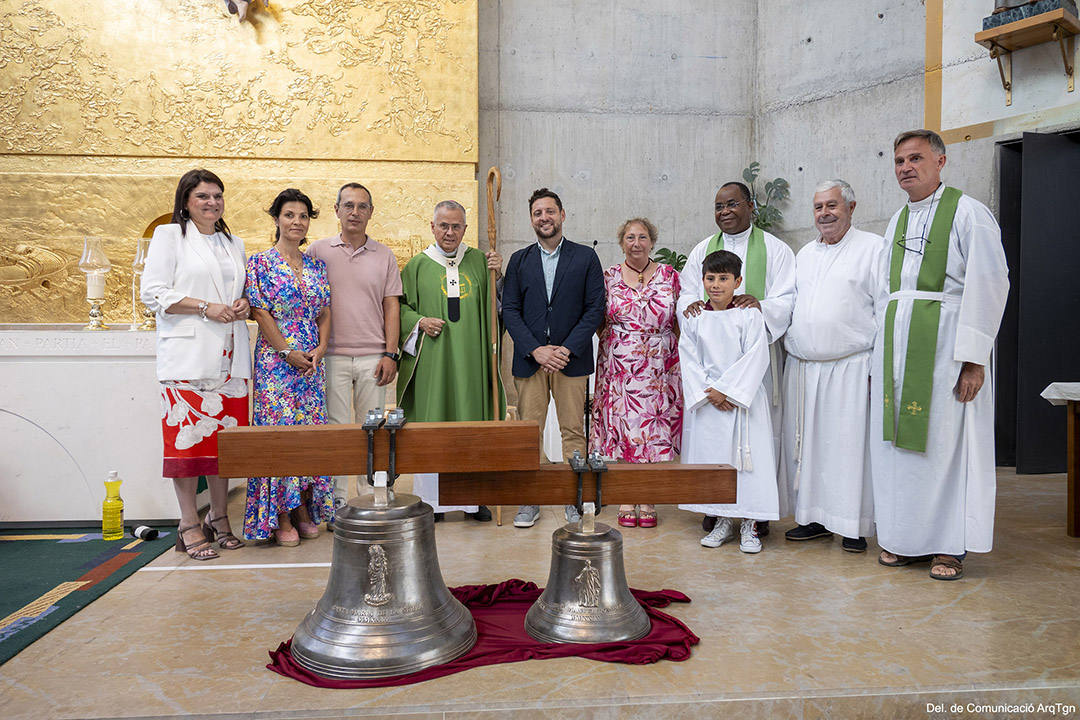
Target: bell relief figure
587, 583
378, 569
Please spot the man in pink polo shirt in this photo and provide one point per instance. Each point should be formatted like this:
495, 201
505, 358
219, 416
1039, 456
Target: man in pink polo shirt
364, 317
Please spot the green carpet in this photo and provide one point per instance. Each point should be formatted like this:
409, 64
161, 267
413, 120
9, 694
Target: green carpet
49, 575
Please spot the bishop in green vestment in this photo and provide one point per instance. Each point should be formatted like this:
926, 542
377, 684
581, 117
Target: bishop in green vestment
445, 372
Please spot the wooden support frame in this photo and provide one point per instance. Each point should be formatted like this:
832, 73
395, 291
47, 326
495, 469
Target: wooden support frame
280, 450
622, 484
479, 463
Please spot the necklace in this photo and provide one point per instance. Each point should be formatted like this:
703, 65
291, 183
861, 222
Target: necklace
641, 272
297, 267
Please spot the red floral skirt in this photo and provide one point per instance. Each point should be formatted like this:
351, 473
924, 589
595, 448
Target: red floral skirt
192, 412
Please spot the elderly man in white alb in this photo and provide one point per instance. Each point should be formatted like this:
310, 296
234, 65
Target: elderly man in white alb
826, 380
932, 404
769, 285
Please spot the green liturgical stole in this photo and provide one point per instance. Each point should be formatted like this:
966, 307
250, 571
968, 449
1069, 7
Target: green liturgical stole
910, 428
754, 267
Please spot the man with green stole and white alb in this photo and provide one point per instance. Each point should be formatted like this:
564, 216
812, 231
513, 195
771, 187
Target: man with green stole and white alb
768, 285
445, 372
932, 405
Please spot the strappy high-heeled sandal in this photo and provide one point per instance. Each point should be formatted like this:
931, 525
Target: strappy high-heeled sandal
226, 540
200, 550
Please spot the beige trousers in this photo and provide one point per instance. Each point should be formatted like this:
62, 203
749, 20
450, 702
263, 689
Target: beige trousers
350, 384
569, 394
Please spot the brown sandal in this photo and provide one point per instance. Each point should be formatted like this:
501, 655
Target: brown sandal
946, 561
226, 540
901, 560
200, 550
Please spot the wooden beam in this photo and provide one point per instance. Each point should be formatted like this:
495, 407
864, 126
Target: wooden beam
622, 484
342, 449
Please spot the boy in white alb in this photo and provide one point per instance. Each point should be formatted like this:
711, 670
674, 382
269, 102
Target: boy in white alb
724, 356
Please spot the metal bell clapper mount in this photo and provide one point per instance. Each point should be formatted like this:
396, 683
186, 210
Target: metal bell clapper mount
395, 420
587, 598
598, 466
579, 466
386, 610
372, 422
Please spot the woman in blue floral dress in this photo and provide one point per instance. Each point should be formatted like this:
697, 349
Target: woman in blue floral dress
290, 300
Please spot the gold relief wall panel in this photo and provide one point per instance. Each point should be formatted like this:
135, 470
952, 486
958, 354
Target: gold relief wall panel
103, 105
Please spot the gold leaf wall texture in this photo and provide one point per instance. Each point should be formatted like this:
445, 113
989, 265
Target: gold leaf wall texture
104, 104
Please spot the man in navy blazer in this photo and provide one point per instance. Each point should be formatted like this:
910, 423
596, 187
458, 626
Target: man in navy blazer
553, 302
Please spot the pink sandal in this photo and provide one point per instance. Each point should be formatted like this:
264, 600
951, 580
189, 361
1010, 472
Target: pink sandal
628, 518
307, 530
647, 518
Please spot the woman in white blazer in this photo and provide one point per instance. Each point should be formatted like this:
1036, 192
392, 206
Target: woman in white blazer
194, 281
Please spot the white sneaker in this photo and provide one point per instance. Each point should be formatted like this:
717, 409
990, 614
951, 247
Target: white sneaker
749, 542
722, 532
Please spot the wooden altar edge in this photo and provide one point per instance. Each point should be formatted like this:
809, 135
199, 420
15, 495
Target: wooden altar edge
622, 484
285, 450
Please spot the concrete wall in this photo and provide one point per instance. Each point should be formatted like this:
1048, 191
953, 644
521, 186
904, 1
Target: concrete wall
623, 108
836, 87
632, 108
833, 90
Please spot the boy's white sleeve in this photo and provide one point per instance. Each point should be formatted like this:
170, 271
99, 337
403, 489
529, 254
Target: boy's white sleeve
694, 379
740, 381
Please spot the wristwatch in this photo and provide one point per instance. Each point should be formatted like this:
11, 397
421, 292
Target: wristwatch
393, 356
284, 354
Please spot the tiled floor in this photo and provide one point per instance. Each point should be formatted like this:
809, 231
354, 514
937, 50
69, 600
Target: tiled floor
802, 630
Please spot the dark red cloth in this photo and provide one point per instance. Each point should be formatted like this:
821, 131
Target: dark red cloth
499, 612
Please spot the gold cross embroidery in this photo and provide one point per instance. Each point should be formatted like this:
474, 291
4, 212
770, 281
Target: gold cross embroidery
914, 408
886, 399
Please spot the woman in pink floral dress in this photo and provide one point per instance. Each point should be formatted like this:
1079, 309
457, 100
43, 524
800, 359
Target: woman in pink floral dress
637, 411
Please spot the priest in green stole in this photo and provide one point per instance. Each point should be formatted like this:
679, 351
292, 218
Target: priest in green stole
445, 372
944, 286
769, 286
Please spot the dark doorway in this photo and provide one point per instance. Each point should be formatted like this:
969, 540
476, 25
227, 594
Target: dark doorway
1039, 342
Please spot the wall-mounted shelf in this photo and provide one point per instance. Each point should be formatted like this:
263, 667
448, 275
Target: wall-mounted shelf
1058, 26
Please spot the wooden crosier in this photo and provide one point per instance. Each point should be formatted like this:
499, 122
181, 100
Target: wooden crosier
493, 195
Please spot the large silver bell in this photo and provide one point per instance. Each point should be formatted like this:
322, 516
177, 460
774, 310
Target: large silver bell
586, 599
386, 610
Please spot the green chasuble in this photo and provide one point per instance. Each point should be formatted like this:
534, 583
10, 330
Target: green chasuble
449, 378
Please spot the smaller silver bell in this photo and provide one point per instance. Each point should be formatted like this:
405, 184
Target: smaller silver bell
587, 599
